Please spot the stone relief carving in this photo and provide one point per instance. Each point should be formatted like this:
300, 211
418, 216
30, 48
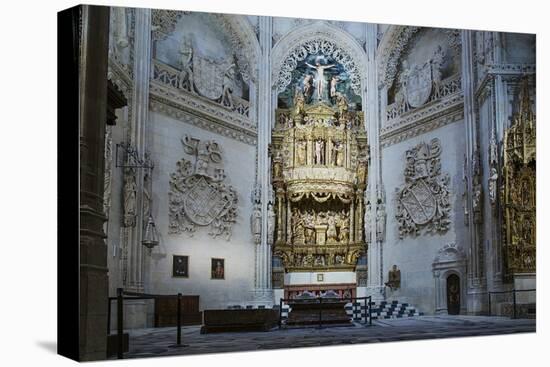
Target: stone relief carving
164, 22
391, 50
119, 32
130, 192
448, 253
270, 223
198, 193
423, 201
322, 46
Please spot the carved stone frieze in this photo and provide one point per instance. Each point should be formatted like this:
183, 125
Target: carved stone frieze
164, 22
202, 113
423, 201
199, 195
393, 44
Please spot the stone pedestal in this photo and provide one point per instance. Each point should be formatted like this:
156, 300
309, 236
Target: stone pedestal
321, 234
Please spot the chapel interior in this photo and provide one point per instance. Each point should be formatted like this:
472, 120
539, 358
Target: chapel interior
248, 159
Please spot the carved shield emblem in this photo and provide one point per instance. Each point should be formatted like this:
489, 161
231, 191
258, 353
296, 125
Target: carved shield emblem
419, 85
208, 77
203, 202
419, 202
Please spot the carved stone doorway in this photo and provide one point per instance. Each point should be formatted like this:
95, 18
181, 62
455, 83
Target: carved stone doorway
453, 294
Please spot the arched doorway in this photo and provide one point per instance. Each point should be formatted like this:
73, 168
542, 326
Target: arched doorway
453, 294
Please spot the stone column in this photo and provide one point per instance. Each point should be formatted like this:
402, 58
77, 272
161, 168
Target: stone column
476, 277
263, 294
371, 108
93, 250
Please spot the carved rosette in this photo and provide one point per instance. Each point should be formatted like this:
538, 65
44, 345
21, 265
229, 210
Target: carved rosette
423, 202
519, 191
198, 193
319, 177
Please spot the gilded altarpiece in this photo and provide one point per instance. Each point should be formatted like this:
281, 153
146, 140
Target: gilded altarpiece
319, 156
519, 189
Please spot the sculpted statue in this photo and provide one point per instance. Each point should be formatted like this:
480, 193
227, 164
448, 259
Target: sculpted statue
186, 74
333, 85
342, 104
381, 222
308, 89
337, 154
256, 223
301, 152
319, 151
344, 228
299, 103
394, 278
228, 86
310, 227
368, 216
130, 192
320, 77
120, 30
270, 223
298, 236
493, 177
331, 231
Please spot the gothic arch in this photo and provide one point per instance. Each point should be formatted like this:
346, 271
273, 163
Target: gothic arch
294, 46
391, 47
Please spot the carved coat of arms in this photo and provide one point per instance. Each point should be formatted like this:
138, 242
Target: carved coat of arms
208, 76
419, 85
423, 202
198, 194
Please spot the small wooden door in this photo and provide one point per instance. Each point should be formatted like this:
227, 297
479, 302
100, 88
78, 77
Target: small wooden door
453, 294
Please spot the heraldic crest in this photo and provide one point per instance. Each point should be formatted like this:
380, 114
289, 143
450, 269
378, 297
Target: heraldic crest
198, 194
423, 202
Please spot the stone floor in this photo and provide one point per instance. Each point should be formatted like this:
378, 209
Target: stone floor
161, 341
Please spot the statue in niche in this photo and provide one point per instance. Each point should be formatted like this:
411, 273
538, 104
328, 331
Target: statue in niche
361, 173
319, 151
120, 30
339, 259
256, 222
270, 223
368, 216
344, 228
186, 74
130, 192
308, 259
337, 153
310, 227
320, 76
228, 86
331, 231
394, 278
301, 154
333, 84
298, 235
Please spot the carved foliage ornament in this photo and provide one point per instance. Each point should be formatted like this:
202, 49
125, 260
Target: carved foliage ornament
324, 47
423, 202
198, 193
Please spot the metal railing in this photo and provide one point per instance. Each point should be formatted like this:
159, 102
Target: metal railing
328, 301
514, 299
121, 296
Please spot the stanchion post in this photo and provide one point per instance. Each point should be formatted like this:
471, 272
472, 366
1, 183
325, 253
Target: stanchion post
280, 311
514, 300
178, 342
119, 320
320, 312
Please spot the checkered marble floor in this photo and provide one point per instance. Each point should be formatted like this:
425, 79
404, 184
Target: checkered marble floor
161, 341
